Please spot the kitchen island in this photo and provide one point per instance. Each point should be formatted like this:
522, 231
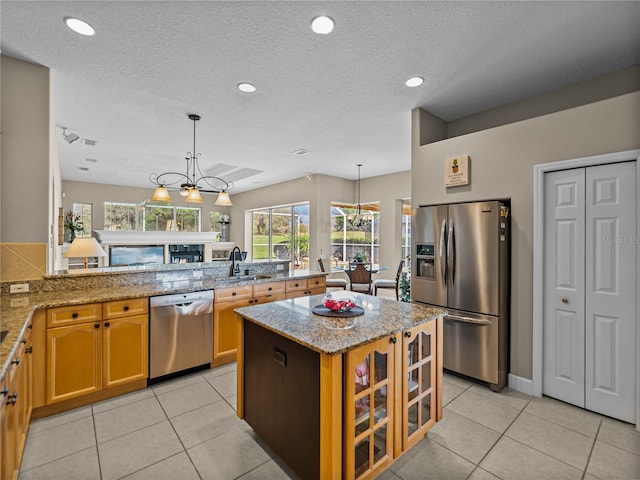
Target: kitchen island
335, 400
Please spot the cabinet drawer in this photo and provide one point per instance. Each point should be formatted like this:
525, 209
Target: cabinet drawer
124, 308
234, 293
296, 285
270, 288
317, 283
90, 312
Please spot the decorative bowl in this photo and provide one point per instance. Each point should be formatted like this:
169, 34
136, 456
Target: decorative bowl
336, 304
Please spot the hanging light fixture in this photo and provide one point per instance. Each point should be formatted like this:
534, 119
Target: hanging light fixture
193, 182
358, 218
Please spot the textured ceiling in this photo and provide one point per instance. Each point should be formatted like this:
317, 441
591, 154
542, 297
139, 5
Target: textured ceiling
339, 96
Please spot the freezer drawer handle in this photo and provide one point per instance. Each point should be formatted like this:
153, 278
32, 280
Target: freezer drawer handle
475, 321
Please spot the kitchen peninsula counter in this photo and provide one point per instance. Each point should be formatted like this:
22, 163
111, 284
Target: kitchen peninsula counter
17, 310
298, 378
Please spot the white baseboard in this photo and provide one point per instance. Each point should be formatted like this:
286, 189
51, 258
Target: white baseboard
521, 384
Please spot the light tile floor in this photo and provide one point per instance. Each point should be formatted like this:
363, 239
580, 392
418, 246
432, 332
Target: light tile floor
187, 429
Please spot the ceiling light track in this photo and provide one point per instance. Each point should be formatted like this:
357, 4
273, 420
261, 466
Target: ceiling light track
193, 182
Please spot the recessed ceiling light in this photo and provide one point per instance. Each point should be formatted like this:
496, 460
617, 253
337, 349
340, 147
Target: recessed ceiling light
246, 87
322, 24
79, 26
414, 82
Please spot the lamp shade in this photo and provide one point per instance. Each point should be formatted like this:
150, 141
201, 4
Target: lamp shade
193, 196
224, 199
161, 194
84, 247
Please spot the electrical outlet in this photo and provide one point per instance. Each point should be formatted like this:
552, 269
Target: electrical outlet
197, 274
19, 288
280, 267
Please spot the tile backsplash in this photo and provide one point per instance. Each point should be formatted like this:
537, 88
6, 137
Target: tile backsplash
22, 261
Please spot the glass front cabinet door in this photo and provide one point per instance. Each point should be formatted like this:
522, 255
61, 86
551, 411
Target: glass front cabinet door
369, 400
418, 395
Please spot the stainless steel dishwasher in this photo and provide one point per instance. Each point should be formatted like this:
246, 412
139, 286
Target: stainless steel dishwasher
180, 332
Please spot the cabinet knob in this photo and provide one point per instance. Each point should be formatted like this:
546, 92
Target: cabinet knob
74, 315
23, 341
233, 294
13, 399
29, 350
16, 361
4, 391
270, 288
107, 324
407, 334
565, 300
96, 325
393, 339
126, 308
297, 285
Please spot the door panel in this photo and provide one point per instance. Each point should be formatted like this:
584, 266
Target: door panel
611, 317
563, 324
474, 257
428, 229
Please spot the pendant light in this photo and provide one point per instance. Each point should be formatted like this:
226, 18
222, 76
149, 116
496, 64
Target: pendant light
358, 219
193, 182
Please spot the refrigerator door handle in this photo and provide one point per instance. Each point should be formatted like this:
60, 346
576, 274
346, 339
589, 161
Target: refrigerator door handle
443, 263
451, 253
475, 321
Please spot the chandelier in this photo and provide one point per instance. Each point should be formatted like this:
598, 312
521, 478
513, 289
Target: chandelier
191, 183
358, 218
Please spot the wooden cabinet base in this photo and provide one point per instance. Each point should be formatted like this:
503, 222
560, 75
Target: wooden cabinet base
104, 394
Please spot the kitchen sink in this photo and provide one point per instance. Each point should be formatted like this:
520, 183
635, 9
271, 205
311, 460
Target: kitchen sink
243, 278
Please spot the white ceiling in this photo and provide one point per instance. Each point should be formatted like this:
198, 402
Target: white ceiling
340, 96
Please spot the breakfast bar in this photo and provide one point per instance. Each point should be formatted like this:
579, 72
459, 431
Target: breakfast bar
339, 397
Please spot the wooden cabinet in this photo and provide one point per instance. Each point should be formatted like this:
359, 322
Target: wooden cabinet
418, 384
369, 394
305, 287
16, 406
100, 346
390, 404
226, 323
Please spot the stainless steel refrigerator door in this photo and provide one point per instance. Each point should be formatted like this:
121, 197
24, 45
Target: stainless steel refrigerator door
428, 255
470, 345
473, 257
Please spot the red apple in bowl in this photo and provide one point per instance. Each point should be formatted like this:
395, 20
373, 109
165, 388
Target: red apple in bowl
338, 304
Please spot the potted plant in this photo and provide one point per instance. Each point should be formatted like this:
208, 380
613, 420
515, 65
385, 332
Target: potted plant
359, 258
405, 287
73, 224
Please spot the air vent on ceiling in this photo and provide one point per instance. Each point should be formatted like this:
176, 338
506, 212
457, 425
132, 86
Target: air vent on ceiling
300, 152
91, 143
84, 169
92, 160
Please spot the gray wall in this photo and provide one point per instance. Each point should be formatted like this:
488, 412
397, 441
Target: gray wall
26, 128
501, 165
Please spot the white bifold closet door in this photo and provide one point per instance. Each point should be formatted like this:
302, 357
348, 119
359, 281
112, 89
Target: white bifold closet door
590, 317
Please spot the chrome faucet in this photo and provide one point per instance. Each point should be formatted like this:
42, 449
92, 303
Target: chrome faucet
234, 269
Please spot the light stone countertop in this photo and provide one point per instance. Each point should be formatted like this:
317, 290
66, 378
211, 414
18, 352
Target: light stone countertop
293, 319
16, 310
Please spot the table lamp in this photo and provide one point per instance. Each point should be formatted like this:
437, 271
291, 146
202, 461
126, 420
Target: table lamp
84, 247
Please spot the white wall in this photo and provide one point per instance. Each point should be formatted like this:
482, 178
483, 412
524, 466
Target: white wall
25, 121
502, 161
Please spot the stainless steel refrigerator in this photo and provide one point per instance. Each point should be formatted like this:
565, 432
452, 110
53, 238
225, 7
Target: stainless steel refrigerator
461, 261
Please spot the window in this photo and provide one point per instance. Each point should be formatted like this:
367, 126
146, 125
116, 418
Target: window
406, 232
84, 212
348, 239
150, 217
281, 233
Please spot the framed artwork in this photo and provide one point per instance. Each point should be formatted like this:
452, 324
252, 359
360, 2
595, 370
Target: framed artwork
456, 171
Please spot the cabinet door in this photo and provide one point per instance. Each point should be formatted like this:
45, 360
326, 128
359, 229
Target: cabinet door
369, 399
418, 393
226, 324
125, 308
8, 425
125, 346
272, 297
74, 363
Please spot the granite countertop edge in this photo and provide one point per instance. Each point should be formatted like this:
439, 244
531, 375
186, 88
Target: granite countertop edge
17, 310
294, 320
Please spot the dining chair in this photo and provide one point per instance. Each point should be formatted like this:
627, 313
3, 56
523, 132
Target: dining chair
333, 282
386, 283
360, 277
